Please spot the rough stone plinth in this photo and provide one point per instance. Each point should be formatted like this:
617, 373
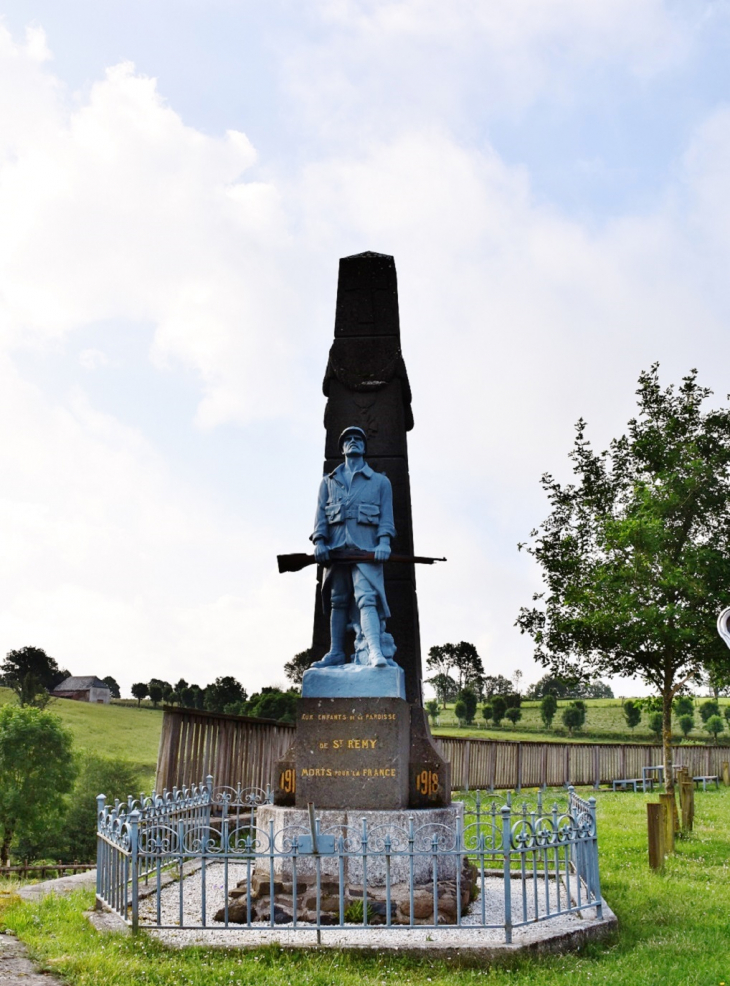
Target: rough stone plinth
354, 681
284, 823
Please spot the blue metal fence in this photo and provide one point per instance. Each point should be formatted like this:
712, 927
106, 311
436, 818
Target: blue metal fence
213, 858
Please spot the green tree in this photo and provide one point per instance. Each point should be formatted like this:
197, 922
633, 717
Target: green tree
714, 725
224, 691
632, 713
444, 686
582, 708
469, 697
514, 714
636, 552
301, 662
461, 658
686, 724
567, 688
460, 710
487, 711
273, 703
432, 708
140, 691
36, 770
178, 692
710, 707
655, 722
683, 705
499, 707
115, 778
572, 718
30, 691
155, 692
113, 686
35, 661
726, 713
548, 708
496, 685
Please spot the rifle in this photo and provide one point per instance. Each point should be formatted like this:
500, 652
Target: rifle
296, 562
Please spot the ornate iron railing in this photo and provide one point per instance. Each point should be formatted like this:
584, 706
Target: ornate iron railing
208, 857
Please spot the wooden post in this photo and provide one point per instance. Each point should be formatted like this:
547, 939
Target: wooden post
655, 825
687, 799
726, 773
670, 810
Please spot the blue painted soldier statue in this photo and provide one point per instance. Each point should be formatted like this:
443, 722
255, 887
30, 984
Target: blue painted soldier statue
355, 513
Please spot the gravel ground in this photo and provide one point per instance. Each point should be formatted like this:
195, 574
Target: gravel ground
471, 934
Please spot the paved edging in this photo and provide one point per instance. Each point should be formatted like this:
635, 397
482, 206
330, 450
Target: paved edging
16, 969
61, 885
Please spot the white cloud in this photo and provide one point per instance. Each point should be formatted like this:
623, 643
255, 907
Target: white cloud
92, 359
381, 65
516, 320
116, 209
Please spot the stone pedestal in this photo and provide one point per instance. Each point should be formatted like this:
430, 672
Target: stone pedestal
364, 754
354, 681
282, 824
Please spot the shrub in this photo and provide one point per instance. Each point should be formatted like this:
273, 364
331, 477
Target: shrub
460, 710
513, 701
469, 698
726, 713
655, 723
115, 778
710, 707
36, 770
155, 693
487, 711
140, 691
548, 708
499, 707
514, 714
715, 725
354, 912
270, 703
432, 709
572, 717
683, 705
686, 724
632, 713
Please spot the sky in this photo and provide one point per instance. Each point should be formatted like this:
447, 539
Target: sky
177, 184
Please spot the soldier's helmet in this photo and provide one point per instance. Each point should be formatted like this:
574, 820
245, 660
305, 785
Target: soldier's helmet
352, 430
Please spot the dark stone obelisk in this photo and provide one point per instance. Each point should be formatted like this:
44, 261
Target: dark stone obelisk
369, 753
366, 384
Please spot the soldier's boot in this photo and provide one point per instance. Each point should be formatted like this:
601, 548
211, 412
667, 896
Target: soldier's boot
370, 623
338, 626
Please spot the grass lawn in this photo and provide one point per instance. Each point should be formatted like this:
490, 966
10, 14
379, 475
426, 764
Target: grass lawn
123, 731
604, 723
674, 928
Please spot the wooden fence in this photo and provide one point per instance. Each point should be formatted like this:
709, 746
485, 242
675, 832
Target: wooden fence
234, 749
477, 763
57, 869
242, 750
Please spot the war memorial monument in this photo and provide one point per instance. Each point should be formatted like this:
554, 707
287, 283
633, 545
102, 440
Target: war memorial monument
358, 832
362, 738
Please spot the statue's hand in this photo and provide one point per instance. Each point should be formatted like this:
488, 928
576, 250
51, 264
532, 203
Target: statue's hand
321, 552
382, 552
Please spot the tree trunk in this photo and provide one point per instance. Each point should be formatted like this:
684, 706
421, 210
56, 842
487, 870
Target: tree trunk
667, 695
5, 849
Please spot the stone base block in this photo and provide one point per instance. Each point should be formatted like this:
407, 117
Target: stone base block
282, 824
354, 681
